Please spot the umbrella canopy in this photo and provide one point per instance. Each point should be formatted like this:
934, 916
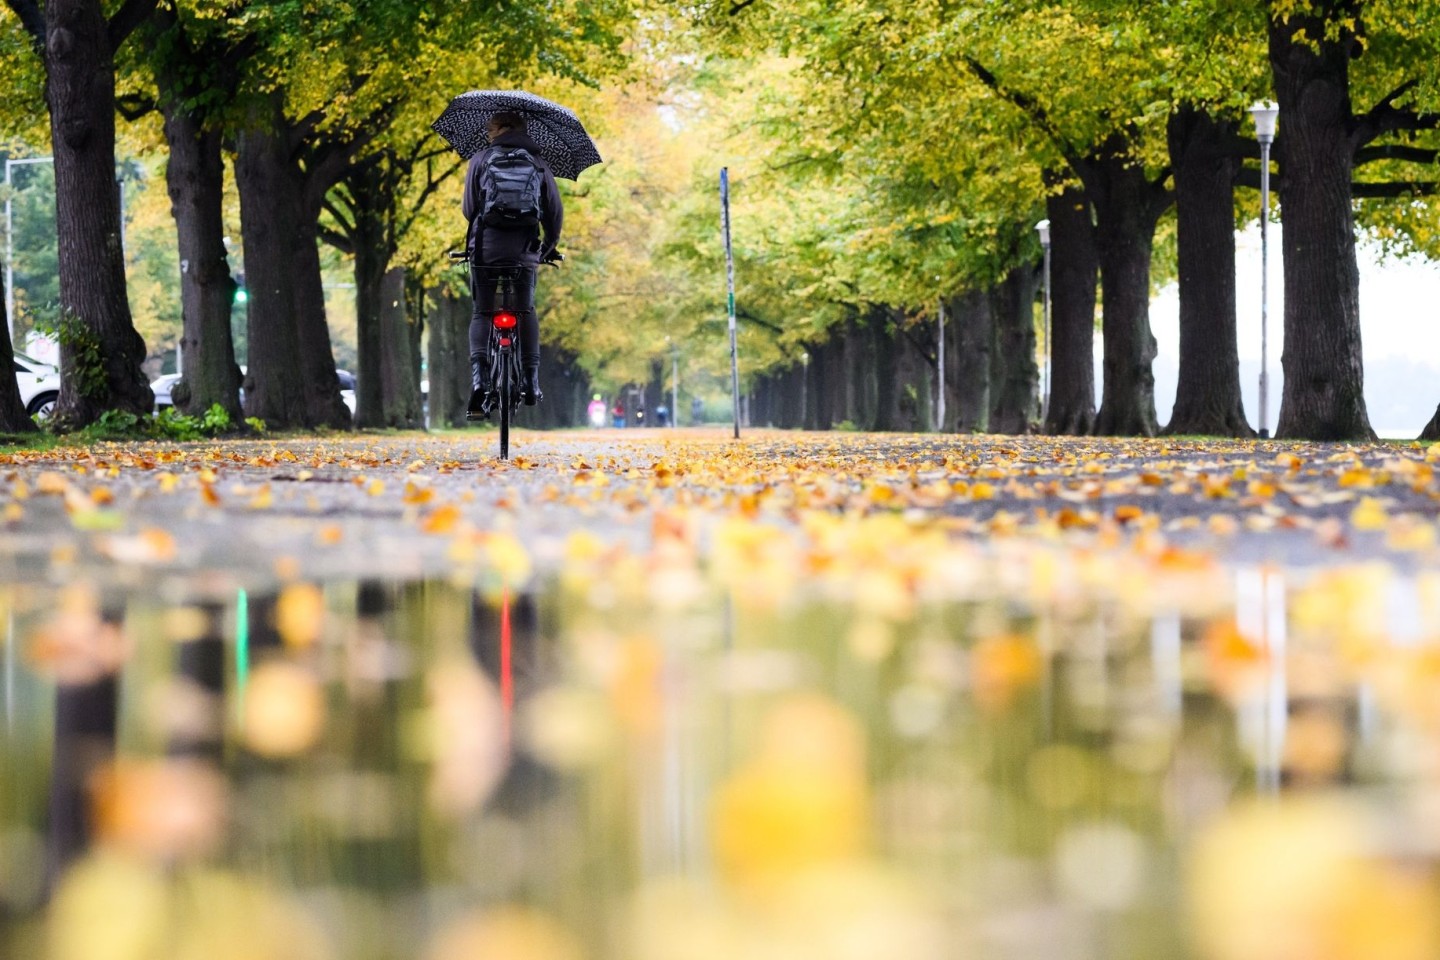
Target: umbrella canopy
564, 144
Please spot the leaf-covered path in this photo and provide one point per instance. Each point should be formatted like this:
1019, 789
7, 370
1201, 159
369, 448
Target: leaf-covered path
410, 504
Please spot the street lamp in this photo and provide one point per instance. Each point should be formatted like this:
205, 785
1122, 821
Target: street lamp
1264, 114
10, 236
1043, 229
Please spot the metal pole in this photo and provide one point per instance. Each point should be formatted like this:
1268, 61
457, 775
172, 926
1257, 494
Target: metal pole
674, 388
730, 280
1045, 336
1264, 288
940, 393
9, 253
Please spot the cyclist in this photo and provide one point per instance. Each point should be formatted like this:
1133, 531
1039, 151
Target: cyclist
525, 243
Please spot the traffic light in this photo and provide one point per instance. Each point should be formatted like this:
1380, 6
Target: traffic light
241, 294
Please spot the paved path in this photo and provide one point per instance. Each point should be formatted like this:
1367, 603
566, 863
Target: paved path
396, 506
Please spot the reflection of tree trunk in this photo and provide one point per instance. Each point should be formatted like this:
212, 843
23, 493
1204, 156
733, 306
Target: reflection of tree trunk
201, 662
1014, 375
1324, 395
1207, 397
974, 333
85, 719
1074, 267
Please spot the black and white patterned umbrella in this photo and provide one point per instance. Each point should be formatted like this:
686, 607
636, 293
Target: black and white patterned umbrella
563, 142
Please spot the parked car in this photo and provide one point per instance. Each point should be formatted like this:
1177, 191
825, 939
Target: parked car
39, 385
163, 385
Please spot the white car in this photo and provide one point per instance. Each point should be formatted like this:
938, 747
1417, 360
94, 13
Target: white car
163, 385
39, 385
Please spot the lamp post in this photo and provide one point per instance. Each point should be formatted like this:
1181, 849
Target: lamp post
11, 163
1043, 229
1264, 114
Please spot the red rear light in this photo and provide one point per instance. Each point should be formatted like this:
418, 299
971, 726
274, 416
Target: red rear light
505, 321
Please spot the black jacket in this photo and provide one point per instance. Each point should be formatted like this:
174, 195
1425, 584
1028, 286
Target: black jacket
513, 246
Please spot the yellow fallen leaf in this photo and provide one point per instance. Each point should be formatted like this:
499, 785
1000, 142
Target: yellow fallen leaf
1369, 514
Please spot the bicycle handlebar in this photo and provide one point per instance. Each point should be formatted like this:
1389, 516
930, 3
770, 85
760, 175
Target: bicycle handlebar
554, 260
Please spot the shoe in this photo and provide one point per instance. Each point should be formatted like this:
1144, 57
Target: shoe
482, 398
530, 389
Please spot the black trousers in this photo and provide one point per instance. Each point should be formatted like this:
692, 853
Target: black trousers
483, 287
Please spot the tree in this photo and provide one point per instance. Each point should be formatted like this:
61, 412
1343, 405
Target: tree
100, 352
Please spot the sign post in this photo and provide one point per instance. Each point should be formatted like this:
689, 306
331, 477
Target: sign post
730, 281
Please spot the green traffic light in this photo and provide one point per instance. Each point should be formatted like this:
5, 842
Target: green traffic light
240, 295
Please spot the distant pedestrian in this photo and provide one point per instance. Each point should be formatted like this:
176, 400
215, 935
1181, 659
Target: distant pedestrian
697, 409
596, 412
662, 416
619, 415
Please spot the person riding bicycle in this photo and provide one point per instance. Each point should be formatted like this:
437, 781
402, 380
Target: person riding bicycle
498, 236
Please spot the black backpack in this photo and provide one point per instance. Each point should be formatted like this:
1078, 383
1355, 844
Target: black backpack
511, 185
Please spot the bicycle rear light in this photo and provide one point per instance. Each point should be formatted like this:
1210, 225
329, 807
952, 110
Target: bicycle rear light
505, 321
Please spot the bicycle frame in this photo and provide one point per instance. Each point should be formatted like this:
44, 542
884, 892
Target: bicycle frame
505, 370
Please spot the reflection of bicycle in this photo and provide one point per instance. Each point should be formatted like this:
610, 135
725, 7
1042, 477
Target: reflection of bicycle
504, 351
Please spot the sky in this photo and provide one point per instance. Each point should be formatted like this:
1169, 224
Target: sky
1400, 331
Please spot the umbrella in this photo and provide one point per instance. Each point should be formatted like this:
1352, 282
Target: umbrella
563, 142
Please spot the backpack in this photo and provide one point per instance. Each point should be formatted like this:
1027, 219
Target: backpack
510, 186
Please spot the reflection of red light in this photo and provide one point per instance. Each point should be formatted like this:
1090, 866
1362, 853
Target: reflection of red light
507, 676
505, 321
504, 341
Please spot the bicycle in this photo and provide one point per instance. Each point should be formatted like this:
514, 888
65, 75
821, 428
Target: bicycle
505, 370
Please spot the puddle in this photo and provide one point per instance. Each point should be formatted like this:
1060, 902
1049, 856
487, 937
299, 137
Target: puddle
1026, 756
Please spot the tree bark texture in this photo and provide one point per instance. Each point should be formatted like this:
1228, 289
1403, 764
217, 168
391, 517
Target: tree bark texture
1207, 396
195, 178
100, 351
1014, 374
1324, 395
1432, 429
269, 199
388, 390
447, 359
1074, 268
291, 380
1126, 212
974, 328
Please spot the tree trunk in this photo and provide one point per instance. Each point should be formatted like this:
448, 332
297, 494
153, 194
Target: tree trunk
291, 380
1432, 429
323, 405
269, 199
1014, 374
399, 360
1074, 267
1207, 397
388, 387
1125, 217
1324, 377
974, 328
884, 330
195, 177
13, 418
100, 351
448, 359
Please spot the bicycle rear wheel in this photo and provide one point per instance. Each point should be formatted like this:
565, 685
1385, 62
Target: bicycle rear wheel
507, 388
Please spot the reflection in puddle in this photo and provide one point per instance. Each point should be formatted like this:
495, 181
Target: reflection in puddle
1060, 767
